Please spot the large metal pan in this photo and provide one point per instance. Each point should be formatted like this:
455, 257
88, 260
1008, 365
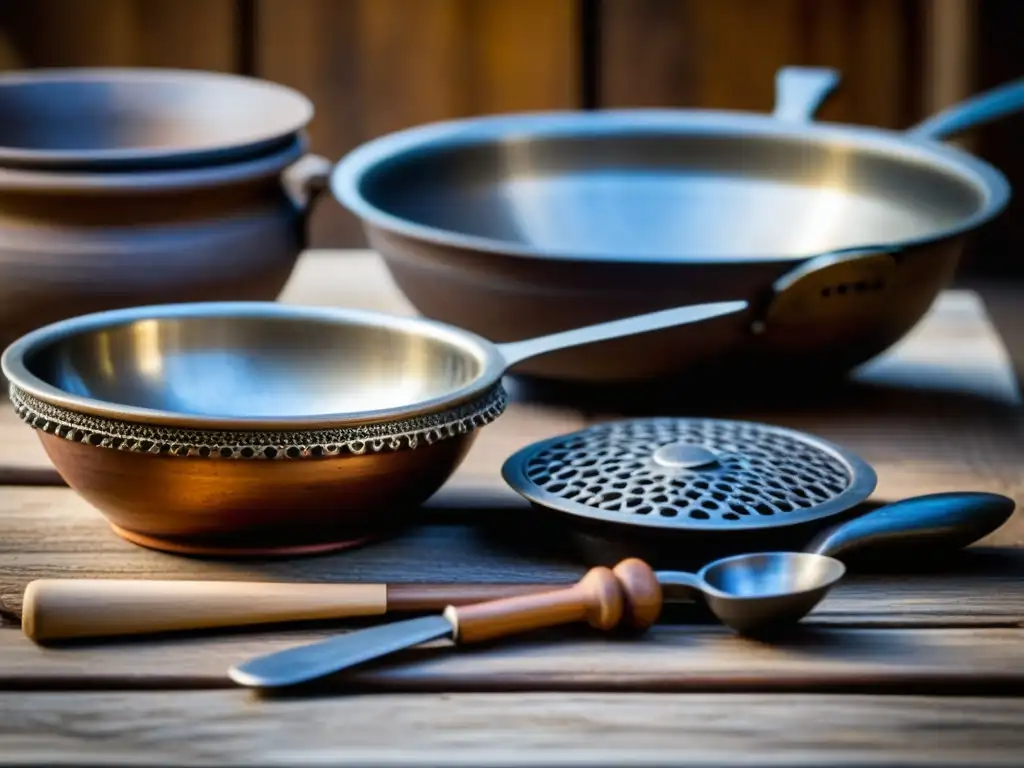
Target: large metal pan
518, 225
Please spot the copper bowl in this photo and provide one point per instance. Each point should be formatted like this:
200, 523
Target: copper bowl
257, 427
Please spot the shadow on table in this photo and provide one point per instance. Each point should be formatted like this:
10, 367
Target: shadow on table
780, 394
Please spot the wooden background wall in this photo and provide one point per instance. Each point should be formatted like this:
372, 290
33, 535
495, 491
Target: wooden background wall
372, 66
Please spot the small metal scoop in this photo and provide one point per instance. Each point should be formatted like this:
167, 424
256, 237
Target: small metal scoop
755, 593
749, 593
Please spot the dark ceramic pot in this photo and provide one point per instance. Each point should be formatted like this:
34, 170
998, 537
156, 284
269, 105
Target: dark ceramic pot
128, 187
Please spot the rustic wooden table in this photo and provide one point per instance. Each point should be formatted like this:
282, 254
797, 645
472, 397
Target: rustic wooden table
918, 669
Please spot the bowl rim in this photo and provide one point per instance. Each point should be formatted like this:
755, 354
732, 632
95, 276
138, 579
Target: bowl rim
491, 366
349, 172
293, 112
157, 180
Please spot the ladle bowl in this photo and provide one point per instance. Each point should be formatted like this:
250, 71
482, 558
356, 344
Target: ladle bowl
768, 589
263, 428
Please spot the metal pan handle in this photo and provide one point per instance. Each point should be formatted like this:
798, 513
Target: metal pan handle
517, 351
800, 91
984, 108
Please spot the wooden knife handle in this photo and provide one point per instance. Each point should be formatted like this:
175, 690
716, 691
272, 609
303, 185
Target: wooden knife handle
65, 609
605, 598
58, 609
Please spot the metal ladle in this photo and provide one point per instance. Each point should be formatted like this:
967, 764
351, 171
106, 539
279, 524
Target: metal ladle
749, 593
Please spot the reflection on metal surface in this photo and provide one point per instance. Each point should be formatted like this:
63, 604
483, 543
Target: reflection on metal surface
771, 574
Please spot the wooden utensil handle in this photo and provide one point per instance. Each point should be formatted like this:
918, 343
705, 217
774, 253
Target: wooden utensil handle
604, 598
56, 609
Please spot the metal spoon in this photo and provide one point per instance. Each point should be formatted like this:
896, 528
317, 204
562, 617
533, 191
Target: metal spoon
756, 593
749, 593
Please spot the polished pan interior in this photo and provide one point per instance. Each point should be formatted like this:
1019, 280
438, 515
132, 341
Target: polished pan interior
241, 363
656, 186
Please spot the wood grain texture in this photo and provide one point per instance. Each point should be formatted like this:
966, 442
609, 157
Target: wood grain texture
937, 412
375, 66
70, 608
724, 54
233, 728
190, 34
48, 533
597, 599
666, 658
997, 247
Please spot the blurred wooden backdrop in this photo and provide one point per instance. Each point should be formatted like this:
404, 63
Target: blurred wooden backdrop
372, 66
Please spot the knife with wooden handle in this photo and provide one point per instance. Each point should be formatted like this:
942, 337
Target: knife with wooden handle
65, 609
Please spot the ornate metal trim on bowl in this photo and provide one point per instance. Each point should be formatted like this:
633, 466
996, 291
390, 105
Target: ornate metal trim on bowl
261, 445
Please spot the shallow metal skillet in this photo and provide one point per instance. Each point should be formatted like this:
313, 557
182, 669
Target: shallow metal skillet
517, 225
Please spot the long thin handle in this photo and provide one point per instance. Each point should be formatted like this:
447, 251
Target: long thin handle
940, 521
61, 609
800, 91
65, 609
518, 351
984, 108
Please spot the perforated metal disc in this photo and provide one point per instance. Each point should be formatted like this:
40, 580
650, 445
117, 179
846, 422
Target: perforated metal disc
691, 474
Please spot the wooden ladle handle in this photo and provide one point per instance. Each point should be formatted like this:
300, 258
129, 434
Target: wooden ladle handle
605, 598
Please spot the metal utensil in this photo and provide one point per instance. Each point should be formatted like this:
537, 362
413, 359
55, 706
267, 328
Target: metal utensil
305, 429
676, 479
604, 598
760, 592
516, 225
749, 593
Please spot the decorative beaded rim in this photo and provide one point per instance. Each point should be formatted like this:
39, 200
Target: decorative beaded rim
262, 445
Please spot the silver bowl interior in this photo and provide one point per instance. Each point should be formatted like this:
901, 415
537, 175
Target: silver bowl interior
634, 191
115, 116
251, 366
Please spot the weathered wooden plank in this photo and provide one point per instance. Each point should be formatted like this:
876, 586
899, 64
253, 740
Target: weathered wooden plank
198, 34
472, 534
231, 728
724, 54
668, 658
373, 66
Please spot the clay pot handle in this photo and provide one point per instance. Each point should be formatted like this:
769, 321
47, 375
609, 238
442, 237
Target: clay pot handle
304, 181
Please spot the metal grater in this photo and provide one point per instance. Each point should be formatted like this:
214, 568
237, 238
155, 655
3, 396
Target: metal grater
691, 474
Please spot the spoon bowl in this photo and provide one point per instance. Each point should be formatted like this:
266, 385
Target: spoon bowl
756, 593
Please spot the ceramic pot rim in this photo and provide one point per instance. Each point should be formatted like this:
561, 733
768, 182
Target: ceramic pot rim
156, 181
288, 111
